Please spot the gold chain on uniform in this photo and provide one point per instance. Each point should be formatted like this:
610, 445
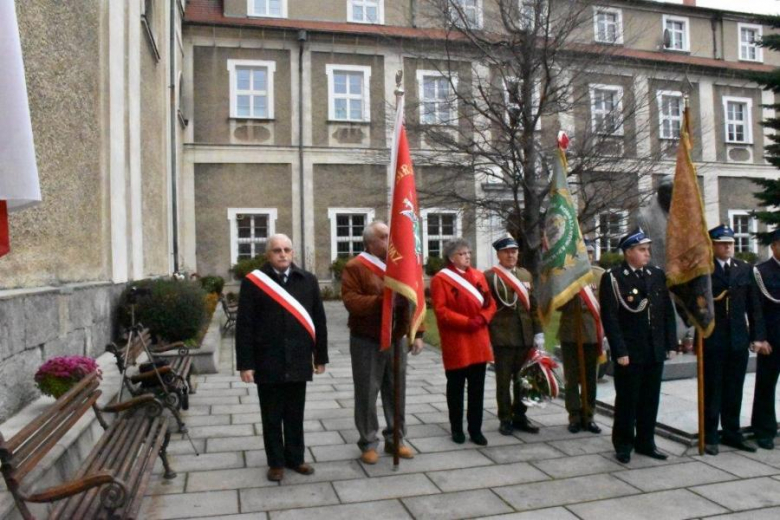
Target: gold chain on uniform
615, 289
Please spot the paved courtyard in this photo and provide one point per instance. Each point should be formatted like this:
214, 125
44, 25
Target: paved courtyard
552, 475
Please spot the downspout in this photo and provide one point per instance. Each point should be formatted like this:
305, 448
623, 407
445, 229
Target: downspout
413, 12
302, 36
172, 89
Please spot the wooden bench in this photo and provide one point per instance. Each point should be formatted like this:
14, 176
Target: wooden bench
231, 310
113, 478
170, 383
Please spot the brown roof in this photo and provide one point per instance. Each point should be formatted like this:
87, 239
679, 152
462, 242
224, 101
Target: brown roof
210, 12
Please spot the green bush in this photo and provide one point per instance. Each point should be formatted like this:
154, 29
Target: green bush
329, 293
609, 260
246, 266
212, 284
747, 256
434, 264
173, 310
338, 265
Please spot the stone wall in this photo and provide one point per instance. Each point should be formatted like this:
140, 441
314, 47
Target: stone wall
38, 324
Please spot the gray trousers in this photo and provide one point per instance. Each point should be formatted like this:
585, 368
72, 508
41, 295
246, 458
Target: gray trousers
571, 376
372, 372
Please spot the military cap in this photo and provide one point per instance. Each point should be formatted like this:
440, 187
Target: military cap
775, 235
635, 238
505, 243
722, 233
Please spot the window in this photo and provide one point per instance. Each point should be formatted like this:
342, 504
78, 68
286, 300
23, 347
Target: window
348, 92
737, 115
611, 225
528, 13
513, 102
670, 113
366, 11
466, 11
607, 109
676, 33
251, 89
439, 225
608, 24
438, 105
346, 230
270, 8
749, 36
249, 231
744, 226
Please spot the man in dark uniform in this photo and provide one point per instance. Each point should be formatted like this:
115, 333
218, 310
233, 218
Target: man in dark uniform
280, 336
735, 295
639, 323
764, 420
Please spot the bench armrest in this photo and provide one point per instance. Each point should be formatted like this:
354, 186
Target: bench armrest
170, 346
69, 489
135, 402
152, 374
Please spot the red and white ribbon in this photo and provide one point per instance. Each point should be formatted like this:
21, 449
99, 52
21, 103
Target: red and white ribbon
278, 293
587, 295
372, 263
517, 286
461, 282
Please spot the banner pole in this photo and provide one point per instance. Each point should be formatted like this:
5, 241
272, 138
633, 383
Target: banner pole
700, 385
581, 360
399, 93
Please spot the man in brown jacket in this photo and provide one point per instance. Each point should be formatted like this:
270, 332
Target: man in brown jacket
514, 330
362, 288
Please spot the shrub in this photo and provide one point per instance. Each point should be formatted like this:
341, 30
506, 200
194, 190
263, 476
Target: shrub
609, 260
57, 375
338, 265
330, 293
212, 299
434, 264
173, 310
747, 256
212, 284
246, 266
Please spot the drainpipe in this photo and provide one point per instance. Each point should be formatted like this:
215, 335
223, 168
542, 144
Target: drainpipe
172, 89
413, 12
302, 36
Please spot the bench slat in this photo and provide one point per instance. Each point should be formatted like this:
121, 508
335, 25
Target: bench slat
133, 507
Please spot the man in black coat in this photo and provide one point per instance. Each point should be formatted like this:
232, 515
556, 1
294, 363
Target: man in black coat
764, 420
281, 337
639, 322
738, 322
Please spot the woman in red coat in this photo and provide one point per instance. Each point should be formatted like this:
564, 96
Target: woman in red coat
463, 307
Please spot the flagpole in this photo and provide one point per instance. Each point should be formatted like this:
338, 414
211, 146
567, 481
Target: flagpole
399, 93
581, 360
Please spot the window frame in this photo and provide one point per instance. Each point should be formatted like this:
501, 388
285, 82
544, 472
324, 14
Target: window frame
592, 88
270, 67
748, 102
250, 9
752, 224
661, 116
479, 13
330, 70
453, 103
623, 225
759, 50
686, 32
536, 95
597, 9
425, 213
333, 213
380, 12
232, 214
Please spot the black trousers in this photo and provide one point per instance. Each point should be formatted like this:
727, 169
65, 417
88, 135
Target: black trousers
281, 408
724, 377
637, 394
509, 361
764, 419
456, 382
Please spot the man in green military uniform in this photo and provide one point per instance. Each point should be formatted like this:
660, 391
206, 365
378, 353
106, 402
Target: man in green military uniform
514, 330
567, 334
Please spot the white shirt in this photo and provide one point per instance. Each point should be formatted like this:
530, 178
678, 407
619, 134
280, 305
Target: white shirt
724, 263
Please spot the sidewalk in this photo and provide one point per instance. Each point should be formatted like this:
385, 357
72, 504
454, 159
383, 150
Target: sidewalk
550, 476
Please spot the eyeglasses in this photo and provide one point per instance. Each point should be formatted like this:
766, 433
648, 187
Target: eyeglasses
278, 250
463, 253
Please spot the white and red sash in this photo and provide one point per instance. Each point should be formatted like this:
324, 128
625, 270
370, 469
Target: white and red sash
280, 295
587, 295
461, 283
517, 286
372, 263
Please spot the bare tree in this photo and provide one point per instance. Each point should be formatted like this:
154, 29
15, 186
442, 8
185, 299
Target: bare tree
504, 83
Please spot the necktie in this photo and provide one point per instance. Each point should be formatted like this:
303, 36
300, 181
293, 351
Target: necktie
283, 278
727, 268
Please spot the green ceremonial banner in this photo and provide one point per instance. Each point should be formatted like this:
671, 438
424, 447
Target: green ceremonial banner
565, 266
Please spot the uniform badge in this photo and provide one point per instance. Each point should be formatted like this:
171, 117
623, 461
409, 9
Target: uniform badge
625, 272
635, 291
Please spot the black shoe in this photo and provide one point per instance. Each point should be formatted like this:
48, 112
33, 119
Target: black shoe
653, 454
505, 428
592, 427
711, 449
765, 444
479, 439
625, 458
739, 444
458, 438
574, 427
525, 425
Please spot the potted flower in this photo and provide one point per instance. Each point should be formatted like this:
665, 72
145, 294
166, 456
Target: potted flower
58, 375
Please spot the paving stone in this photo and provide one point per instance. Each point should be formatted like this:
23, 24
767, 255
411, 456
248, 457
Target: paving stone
675, 476
163, 486
433, 418
553, 513
269, 499
770, 457
203, 462
586, 446
225, 392
200, 400
738, 465
429, 462
385, 510
743, 494
190, 505
553, 433
196, 410
237, 478
339, 423
577, 466
670, 505
246, 516
328, 414
218, 386
236, 408
246, 418
327, 472
521, 453
218, 444
465, 504
437, 444
418, 431
381, 488
228, 430
183, 447
486, 476
207, 420
772, 513
562, 492
335, 452
420, 408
